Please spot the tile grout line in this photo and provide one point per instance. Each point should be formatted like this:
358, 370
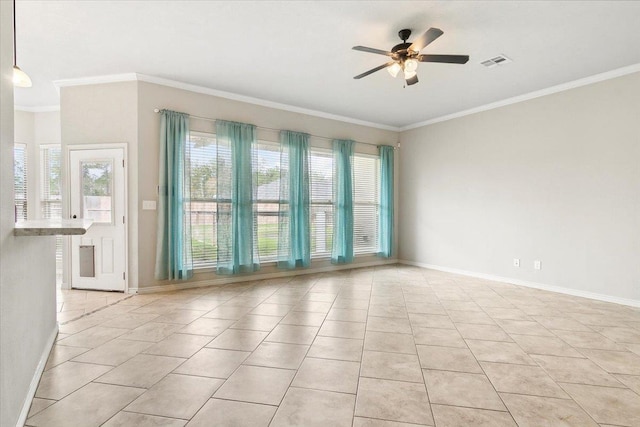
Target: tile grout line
484, 372
472, 296
364, 339
424, 380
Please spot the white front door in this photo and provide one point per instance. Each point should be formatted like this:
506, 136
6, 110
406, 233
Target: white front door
97, 191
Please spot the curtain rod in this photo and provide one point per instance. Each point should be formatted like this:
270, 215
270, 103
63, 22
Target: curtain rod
157, 110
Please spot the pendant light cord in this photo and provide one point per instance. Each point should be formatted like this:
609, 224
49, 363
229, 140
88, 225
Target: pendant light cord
15, 52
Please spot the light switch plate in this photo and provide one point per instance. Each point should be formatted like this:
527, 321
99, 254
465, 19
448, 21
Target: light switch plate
148, 205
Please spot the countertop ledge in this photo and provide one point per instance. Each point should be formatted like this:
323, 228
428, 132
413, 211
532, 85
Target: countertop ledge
52, 227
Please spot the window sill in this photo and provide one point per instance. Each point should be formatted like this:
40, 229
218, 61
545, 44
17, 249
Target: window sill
212, 269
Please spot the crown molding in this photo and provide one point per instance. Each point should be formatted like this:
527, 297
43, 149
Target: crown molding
261, 102
126, 77
608, 75
95, 80
44, 109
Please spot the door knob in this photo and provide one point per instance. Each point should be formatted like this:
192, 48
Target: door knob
74, 217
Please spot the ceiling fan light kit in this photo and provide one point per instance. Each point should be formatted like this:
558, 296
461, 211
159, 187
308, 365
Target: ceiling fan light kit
394, 69
410, 65
406, 56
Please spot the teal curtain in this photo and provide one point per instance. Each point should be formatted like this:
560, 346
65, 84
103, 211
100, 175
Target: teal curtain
173, 248
342, 251
236, 214
385, 216
294, 233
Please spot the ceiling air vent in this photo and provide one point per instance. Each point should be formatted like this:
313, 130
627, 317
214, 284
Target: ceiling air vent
498, 60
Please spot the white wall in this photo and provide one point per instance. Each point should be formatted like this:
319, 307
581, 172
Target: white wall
555, 179
27, 294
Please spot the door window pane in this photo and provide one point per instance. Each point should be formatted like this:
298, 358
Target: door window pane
97, 185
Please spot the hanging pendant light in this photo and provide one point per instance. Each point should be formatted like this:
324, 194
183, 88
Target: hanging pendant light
20, 78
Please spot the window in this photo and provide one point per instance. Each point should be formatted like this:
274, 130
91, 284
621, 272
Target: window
20, 180
97, 191
50, 196
366, 199
266, 195
201, 157
209, 165
321, 209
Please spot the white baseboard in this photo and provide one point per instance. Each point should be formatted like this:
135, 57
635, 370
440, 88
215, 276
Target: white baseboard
542, 286
31, 392
258, 276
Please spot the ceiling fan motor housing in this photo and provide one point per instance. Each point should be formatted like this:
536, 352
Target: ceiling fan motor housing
401, 50
404, 34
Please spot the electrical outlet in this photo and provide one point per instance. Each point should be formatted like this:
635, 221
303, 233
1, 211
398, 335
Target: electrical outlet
516, 262
537, 265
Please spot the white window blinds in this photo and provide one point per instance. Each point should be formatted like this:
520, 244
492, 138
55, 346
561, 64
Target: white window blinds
50, 196
266, 195
321, 209
20, 180
366, 198
201, 158
209, 164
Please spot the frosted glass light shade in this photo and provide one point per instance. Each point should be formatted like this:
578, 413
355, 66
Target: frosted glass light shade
410, 65
408, 74
394, 69
20, 78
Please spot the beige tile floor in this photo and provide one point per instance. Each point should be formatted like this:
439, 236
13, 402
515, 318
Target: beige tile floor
391, 346
75, 303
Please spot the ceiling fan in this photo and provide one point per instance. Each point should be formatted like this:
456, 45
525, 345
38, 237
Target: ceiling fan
405, 56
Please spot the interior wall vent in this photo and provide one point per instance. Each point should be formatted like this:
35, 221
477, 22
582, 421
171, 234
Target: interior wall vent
498, 60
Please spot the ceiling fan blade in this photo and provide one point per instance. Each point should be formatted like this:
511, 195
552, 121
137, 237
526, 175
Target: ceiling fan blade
413, 80
373, 70
425, 39
447, 59
372, 50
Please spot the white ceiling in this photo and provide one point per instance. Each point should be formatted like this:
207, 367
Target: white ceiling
299, 53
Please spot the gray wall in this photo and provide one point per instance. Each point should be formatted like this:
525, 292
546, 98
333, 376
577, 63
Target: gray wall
27, 294
555, 179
